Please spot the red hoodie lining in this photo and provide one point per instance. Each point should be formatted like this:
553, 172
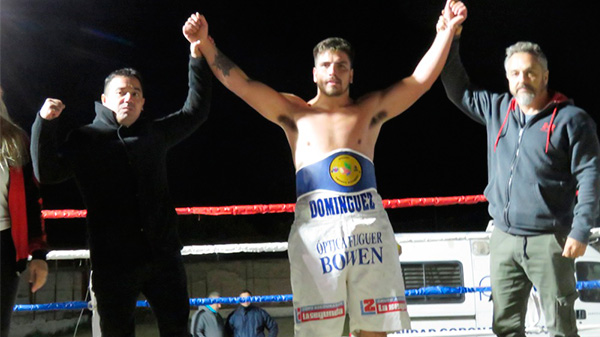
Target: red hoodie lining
557, 98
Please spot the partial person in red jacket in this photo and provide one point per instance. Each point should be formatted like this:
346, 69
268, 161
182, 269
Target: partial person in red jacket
21, 228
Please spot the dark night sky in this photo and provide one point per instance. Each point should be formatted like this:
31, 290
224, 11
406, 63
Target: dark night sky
64, 49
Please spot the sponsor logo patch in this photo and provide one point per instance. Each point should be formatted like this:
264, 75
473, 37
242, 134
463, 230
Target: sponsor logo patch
345, 170
320, 312
376, 306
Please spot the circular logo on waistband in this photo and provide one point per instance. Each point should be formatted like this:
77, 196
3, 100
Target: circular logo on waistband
345, 170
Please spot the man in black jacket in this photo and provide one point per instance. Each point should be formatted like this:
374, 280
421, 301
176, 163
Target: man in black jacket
249, 320
119, 163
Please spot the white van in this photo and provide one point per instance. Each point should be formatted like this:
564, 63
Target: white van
462, 259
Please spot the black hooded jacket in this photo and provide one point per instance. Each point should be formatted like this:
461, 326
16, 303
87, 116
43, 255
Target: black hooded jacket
122, 175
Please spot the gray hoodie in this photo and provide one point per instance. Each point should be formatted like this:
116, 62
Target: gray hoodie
543, 173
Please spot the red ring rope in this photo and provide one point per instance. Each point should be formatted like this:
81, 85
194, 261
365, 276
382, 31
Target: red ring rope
283, 208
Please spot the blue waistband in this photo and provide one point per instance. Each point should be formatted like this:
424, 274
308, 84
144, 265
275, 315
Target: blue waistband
342, 171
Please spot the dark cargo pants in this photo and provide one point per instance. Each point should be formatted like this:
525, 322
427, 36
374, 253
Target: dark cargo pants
519, 262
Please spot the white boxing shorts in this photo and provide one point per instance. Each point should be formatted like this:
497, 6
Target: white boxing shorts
342, 251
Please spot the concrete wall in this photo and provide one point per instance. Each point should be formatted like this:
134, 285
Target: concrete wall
68, 281
262, 277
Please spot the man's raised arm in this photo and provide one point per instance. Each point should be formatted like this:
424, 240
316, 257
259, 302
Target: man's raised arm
400, 96
49, 167
268, 102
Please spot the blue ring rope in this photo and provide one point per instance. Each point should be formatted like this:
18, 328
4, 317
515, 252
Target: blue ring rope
437, 290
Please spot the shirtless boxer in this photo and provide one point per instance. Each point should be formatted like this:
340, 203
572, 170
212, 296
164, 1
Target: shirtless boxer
342, 251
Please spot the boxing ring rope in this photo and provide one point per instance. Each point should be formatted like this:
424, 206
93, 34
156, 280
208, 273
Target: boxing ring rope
434, 290
260, 248
224, 249
250, 210
283, 208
